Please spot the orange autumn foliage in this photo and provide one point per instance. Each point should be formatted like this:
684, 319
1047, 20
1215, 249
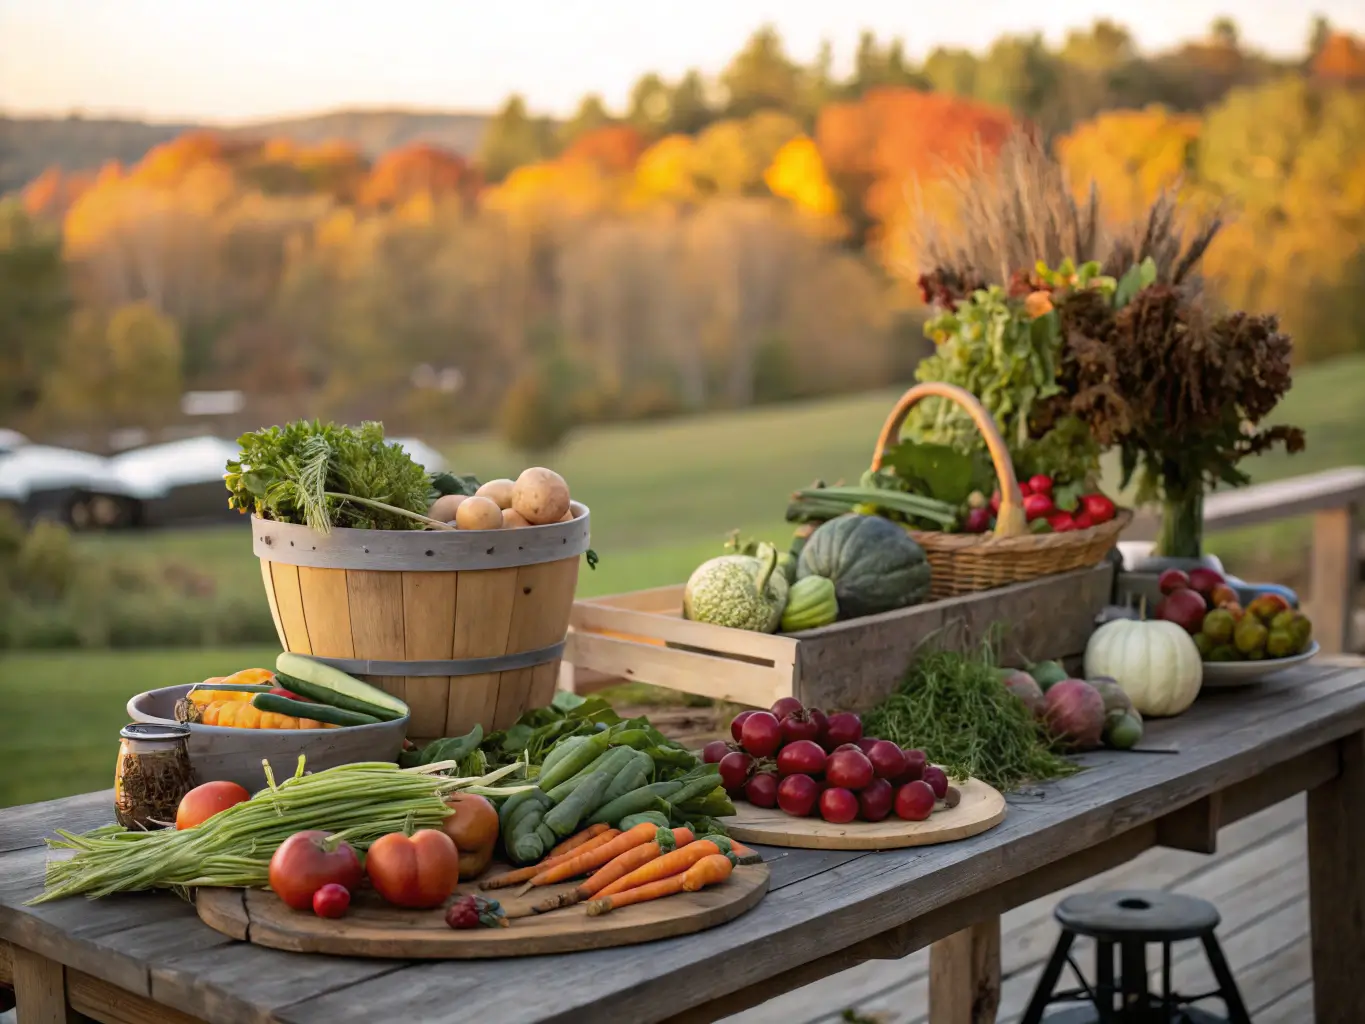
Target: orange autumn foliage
1341, 58
612, 149
878, 148
51, 194
412, 170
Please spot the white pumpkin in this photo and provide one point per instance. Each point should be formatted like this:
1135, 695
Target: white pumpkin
1155, 662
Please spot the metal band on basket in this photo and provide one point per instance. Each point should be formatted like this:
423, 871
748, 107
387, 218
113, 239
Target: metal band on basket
455, 667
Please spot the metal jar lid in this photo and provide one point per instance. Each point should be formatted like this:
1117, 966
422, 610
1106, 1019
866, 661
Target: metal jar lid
154, 732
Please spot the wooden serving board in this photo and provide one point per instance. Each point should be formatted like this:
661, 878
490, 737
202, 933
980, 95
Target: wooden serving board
982, 807
374, 928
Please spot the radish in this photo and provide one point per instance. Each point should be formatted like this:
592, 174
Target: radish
800, 725
874, 802
888, 760
838, 805
735, 769
867, 743
797, 794
847, 746
762, 790
1075, 710
804, 757
849, 769
761, 734
937, 779
714, 751
914, 801
845, 727
737, 724
785, 706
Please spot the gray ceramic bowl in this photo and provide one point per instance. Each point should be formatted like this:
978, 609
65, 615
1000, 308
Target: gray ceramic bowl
235, 755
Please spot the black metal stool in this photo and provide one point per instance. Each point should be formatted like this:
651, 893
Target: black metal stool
1130, 921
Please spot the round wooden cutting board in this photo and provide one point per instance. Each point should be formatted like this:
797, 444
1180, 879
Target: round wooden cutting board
982, 807
375, 928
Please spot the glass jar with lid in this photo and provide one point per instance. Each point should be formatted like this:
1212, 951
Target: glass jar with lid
152, 774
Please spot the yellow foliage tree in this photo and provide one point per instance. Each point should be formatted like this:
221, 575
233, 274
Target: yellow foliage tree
1131, 155
122, 368
664, 172
798, 175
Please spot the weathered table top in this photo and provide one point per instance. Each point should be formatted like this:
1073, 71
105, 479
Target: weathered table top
820, 902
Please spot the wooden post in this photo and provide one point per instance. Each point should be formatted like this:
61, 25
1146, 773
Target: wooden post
1336, 567
964, 975
1336, 888
40, 990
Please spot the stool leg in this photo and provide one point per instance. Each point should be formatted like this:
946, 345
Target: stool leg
1104, 980
1136, 1002
1237, 1011
1042, 995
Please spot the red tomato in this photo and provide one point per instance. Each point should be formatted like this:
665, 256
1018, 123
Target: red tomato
203, 802
1099, 508
417, 871
307, 861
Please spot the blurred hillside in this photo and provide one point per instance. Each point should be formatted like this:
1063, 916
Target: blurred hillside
714, 245
31, 145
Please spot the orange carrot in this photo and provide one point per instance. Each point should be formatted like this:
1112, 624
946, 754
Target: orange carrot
674, 863
635, 857
530, 871
744, 854
578, 839
571, 868
709, 870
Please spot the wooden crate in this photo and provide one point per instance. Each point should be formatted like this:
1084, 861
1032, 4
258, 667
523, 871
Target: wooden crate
641, 636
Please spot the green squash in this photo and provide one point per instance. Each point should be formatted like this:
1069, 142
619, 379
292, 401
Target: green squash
739, 591
811, 603
875, 565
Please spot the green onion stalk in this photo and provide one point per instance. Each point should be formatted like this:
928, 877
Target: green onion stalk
358, 803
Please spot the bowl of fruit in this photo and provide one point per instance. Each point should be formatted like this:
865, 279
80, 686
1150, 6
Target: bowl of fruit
1239, 644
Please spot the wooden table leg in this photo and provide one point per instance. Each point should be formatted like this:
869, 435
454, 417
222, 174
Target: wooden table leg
40, 990
964, 975
1336, 888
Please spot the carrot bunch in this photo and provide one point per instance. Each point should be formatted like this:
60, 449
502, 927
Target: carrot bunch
620, 868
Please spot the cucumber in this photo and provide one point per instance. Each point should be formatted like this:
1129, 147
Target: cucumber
319, 712
235, 687
327, 685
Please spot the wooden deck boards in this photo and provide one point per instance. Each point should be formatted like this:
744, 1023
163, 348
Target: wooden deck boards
1257, 880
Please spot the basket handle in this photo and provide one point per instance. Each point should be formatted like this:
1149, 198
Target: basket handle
1009, 521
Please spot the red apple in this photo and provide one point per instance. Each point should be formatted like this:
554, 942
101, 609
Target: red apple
1204, 580
1172, 580
1185, 608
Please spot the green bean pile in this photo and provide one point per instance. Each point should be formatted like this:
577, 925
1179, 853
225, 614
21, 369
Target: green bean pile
955, 708
359, 802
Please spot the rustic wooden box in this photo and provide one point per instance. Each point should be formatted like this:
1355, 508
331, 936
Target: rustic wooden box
641, 636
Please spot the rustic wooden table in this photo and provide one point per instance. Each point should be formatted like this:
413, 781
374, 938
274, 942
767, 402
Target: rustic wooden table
146, 957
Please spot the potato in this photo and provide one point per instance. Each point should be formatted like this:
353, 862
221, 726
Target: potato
499, 491
541, 496
511, 519
478, 513
445, 507
568, 517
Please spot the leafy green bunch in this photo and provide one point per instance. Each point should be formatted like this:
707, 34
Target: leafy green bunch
324, 475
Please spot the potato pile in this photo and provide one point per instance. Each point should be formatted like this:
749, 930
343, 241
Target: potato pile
536, 498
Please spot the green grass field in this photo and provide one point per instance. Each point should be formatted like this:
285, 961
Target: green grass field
663, 497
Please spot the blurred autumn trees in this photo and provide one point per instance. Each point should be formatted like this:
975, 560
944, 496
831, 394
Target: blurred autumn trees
711, 244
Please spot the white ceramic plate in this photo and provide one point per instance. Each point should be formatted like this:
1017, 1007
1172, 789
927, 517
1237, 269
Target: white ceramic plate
1219, 674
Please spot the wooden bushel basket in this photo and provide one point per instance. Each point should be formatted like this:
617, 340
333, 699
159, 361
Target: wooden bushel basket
964, 563
466, 626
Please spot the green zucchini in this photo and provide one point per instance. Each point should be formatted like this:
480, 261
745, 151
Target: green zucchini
611, 762
327, 685
564, 818
320, 712
236, 687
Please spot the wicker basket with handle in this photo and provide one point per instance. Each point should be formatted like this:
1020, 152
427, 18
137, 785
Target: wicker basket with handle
963, 563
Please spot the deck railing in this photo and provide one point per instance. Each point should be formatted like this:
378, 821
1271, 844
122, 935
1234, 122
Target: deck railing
1335, 499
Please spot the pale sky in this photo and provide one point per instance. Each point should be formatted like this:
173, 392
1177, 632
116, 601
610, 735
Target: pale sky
234, 60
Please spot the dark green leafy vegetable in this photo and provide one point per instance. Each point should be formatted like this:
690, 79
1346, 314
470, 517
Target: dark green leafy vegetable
323, 475
449, 483
957, 710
